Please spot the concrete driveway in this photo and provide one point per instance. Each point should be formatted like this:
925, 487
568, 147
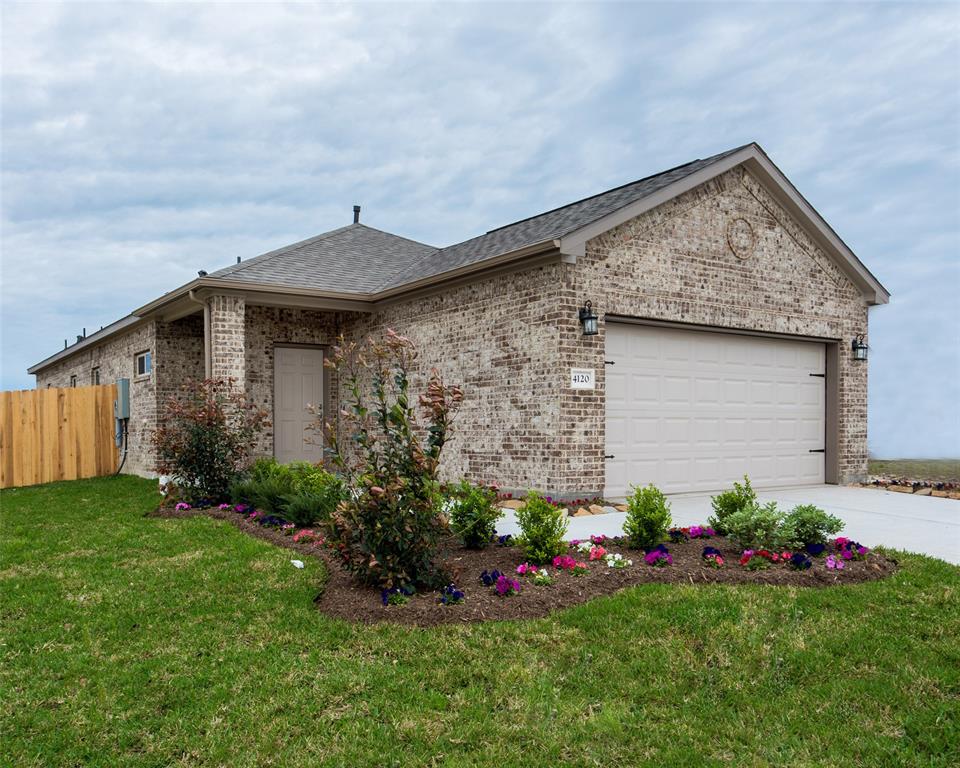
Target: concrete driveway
914, 523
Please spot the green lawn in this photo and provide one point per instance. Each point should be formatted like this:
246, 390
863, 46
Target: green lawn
128, 640
931, 470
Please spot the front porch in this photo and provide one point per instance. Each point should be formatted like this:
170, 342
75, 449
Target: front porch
274, 354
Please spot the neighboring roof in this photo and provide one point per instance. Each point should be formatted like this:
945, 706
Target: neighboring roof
352, 259
547, 226
356, 265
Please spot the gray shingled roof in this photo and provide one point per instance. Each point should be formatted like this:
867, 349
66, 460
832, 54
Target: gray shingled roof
352, 259
546, 226
360, 259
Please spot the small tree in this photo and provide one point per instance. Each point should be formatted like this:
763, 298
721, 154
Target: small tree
386, 531
205, 436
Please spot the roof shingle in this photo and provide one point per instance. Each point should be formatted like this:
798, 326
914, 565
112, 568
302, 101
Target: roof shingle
360, 259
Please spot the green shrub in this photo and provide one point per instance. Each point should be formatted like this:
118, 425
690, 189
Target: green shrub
758, 527
305, 509
208, 429
473, 512
387, 530
241, 491
542, 529
648, 517
301, 492
270, 494
807, 524
729, 502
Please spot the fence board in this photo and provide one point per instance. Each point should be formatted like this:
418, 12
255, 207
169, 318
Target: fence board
56, 434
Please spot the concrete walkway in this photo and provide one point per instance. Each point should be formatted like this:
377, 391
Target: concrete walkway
914, 523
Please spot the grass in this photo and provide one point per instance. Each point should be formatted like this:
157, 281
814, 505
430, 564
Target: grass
931, 470
138, 641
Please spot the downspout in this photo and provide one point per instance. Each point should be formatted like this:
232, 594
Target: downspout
207, 349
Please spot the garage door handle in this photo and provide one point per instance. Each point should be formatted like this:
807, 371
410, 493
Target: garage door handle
609, 456
817, 450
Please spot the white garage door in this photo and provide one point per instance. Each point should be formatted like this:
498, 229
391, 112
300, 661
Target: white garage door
297, 383
696, 410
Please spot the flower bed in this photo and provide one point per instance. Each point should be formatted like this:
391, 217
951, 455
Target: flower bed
572, 579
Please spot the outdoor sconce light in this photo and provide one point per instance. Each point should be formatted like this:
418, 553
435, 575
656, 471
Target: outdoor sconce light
588, 319
860, 348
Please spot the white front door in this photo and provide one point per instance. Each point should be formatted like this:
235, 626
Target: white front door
297, 384
696, 410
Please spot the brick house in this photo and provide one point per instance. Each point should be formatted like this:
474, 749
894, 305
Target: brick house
727, 313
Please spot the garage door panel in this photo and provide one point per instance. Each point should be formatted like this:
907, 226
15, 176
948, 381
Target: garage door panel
762, 392
616, 389
694, 411
644, 388
676, 390
735, 391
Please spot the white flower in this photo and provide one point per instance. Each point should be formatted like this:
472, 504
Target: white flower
297, 563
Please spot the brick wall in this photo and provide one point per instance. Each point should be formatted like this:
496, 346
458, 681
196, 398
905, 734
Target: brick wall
497, 337
228, 337
115, 358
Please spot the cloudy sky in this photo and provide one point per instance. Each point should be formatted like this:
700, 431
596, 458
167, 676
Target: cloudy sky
141, 143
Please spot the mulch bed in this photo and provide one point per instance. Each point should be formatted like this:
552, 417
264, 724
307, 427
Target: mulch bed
343, 599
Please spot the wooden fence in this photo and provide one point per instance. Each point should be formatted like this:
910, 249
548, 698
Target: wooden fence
56, 434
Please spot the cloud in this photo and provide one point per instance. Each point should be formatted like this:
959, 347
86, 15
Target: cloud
144, 142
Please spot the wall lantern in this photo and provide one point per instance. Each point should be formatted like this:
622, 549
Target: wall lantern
588, 319
860, 348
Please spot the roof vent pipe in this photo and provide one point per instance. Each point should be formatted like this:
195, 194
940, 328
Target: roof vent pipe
238, 259
356, 214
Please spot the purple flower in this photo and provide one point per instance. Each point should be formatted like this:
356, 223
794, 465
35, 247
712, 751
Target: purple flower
658, 557
506, 587
490, 578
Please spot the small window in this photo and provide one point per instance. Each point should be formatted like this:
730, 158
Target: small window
142, 365
73, 381
95, 376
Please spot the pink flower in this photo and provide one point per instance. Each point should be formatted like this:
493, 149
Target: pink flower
597, 553
223, 507
524, 568
564, 562
182, 506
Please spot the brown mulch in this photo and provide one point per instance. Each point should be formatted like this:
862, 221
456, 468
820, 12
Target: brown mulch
342, 598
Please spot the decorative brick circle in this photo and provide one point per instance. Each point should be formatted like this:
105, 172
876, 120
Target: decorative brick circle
741, 238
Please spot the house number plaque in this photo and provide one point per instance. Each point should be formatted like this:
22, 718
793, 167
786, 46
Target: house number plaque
583, 378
